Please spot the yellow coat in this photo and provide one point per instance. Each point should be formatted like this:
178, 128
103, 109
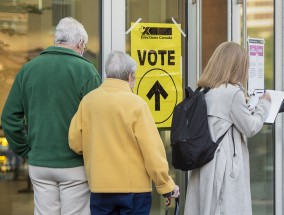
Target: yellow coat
123, 152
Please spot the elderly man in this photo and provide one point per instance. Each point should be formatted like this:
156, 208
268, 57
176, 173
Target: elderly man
36, 117
122, 148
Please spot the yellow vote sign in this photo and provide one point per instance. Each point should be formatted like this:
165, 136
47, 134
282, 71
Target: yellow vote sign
157, 50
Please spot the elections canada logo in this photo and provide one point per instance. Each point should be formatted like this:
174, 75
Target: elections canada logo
155, 33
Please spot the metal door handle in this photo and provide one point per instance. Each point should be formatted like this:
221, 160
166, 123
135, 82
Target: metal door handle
244, 6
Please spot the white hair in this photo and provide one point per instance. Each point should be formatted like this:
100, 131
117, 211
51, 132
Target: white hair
120, 65
70, 32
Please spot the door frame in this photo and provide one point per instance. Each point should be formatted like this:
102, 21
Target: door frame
112, 28
279, 129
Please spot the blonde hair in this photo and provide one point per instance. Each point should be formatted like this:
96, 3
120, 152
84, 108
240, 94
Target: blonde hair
228, 65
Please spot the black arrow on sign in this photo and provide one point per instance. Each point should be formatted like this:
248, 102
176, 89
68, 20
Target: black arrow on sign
157, 90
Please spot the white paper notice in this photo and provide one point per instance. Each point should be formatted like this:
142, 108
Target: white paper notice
276, 101
256, 68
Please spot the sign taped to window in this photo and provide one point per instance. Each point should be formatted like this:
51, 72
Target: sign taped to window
256, 68
156, 48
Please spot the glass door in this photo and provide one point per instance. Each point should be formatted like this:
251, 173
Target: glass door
236, 21
260, 24
213, 23
162, 11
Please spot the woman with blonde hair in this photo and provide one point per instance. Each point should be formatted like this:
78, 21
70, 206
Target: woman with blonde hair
222, 186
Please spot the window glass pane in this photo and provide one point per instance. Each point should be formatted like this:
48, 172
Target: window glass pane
260, 15
27, 27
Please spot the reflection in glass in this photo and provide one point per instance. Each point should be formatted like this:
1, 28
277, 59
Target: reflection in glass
27, 28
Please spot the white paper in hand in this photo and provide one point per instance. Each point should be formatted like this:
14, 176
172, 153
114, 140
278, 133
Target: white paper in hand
276, 101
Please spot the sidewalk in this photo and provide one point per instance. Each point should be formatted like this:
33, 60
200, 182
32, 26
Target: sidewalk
13, 202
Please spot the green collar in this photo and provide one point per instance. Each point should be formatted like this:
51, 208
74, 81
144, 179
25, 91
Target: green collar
61, 50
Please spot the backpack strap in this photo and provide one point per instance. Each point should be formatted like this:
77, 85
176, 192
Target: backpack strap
188, 91
234, 142
221, 138
206, 89
198, 89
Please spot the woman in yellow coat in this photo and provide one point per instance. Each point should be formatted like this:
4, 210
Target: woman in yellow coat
122, 149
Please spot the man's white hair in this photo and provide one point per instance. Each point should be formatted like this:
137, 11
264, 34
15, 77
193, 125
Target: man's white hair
70, 32
120, 65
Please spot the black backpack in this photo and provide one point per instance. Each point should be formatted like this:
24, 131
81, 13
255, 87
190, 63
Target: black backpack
191, 142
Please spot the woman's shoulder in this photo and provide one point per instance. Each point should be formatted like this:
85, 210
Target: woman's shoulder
228, 89
225, 94
220, 99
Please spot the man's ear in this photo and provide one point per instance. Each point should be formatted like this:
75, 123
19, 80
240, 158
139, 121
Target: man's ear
129, 77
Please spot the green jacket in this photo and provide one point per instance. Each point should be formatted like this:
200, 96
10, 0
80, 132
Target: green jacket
42, 101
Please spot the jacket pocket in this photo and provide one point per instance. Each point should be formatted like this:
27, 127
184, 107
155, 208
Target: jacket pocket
219, 176
235, 167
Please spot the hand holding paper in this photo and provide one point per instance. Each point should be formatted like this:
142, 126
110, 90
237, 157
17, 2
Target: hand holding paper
266, 96
276, 99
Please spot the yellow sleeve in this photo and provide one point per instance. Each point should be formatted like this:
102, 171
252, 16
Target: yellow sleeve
153, 151
75, 132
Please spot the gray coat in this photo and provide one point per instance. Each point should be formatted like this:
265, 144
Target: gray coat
222, 186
